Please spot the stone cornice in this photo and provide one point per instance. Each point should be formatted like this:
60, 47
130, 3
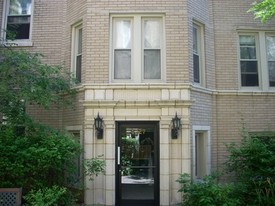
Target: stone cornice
137, 104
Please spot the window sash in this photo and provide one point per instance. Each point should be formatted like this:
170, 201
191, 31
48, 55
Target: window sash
248, 60
197, 53
77, 41
18, 20
152, 41
137, 48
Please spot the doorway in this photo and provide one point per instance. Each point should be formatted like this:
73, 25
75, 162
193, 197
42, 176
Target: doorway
137, 164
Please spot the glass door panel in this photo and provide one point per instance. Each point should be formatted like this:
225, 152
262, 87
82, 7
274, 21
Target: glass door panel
137, 167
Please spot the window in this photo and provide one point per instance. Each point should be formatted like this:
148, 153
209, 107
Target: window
248, 61
18, 19
77, 52
137, 49
198, 58
201, 151
257, 60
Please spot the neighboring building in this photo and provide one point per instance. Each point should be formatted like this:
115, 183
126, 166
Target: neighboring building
139, 63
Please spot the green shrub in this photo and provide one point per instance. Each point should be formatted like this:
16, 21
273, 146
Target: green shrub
252, 164
206, 192
52, 196
37, 158
95, 166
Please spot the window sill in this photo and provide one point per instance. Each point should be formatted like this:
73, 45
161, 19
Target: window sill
21, 43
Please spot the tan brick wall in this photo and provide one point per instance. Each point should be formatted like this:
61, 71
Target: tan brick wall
97, 41
201, 109
231, 110
228, 17
47, 30
254, 112
74, 113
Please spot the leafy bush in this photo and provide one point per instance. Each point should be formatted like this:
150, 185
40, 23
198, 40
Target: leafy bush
53, 196
252, 164
94, 167
39, 157
206, 192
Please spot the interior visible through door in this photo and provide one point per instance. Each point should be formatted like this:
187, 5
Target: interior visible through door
137, 163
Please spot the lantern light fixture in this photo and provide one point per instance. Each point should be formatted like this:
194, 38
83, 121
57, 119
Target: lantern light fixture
175, 126
98, 126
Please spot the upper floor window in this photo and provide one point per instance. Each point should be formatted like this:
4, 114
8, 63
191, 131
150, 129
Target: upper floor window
77, 52
257, 59
198, 54
18, 19
248, 61
137, 49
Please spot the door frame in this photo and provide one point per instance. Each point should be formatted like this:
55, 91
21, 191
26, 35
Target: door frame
156, 201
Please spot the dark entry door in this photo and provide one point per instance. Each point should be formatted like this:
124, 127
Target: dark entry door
137, 169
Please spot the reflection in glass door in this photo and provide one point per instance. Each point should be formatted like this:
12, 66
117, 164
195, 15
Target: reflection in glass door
137, 163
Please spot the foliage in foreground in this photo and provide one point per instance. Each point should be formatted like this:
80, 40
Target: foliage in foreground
264, 9
252, 166
49, 196
39, 157
207, 192
25, 79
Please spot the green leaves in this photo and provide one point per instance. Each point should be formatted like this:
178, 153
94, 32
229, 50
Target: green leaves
95, 166
25, 79
46, 196
37, 158
206, 192
264, 9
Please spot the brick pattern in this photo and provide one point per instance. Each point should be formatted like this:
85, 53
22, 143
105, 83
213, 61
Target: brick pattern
220, 105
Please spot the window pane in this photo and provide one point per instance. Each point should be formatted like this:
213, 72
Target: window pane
248, 52
78, 68
20, 7
249, 66
18, 27
250, 80
122, 34
196, 66
122, 64
152, 65
271, 70
249, 73
195, 39
270, 44
152, 29
79, 50
246, 40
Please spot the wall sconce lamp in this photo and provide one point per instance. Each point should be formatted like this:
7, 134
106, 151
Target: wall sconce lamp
98, 126
175, 127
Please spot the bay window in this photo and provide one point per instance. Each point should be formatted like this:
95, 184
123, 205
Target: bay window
137, 49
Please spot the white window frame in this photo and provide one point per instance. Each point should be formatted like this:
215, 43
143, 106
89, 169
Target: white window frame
74, 51
137, 50
205, 132
261, 53
201, 52
16, 42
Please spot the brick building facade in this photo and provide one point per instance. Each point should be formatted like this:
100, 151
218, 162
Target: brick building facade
139, 63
